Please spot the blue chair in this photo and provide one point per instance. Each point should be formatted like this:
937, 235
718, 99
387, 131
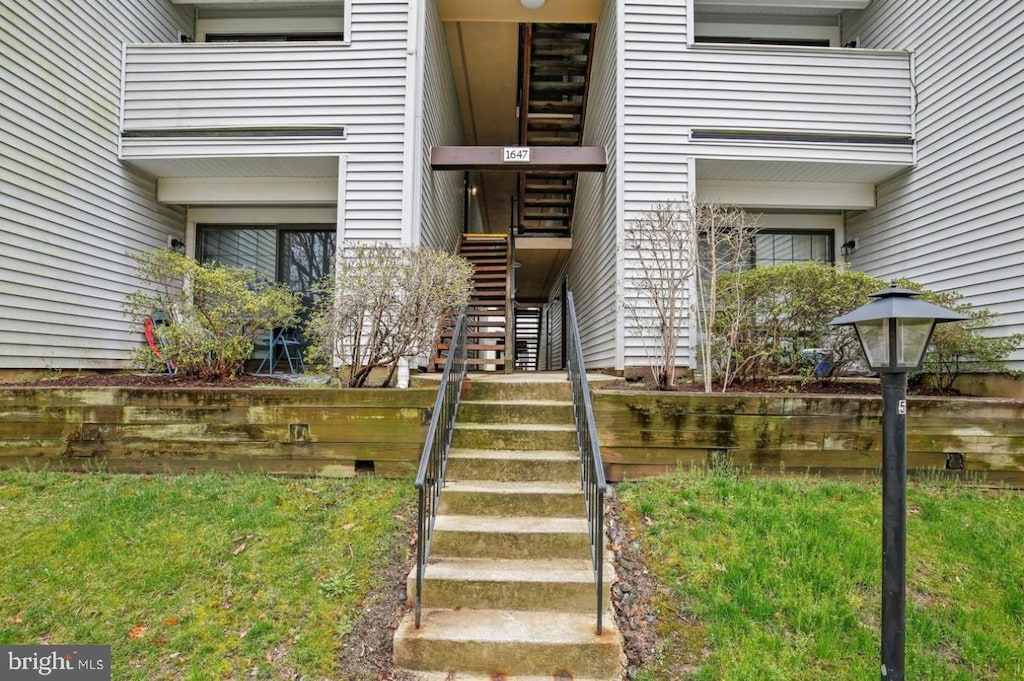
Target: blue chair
285, 344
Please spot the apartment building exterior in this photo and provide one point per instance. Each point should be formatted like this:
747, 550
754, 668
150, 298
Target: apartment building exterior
267, 132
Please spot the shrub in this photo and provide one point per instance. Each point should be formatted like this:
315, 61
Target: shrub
214, 313
680, 247
787, 311
383, 303
960, 347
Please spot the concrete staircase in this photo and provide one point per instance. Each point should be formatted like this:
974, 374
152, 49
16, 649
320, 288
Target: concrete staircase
509, 590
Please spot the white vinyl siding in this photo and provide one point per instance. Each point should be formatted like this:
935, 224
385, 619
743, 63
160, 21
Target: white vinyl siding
268, 86
211, 86
954, 221
70, 213
801, 90
654, 138
592, 266
442, 199
551, 337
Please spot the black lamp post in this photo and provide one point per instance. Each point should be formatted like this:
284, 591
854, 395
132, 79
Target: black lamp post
894, 330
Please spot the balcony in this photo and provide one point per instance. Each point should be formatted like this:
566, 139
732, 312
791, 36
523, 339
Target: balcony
773, 113
257, 108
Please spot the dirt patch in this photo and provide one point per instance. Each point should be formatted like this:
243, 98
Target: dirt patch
633, 593
367, 653
646, 611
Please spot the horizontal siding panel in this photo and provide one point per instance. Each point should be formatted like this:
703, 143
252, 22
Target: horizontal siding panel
593, 266
655, 137
442, 196
70, 213
954, 221
792, 89
178, 87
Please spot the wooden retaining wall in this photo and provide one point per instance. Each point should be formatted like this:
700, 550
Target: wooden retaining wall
310, 431
297, 431
644, 434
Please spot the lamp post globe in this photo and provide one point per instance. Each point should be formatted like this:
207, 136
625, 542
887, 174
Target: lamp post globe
894, 330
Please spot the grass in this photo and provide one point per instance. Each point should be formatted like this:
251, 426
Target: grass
780, 578
194, 577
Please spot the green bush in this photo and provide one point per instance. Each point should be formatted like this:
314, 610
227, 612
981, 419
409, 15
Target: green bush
786, 309
214, 313
960, 347
382, 303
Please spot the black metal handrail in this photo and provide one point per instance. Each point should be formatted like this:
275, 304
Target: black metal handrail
591, 467
434, 459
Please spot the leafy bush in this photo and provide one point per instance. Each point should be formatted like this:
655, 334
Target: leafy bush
383, 303
960, 347
214, 313
786, 311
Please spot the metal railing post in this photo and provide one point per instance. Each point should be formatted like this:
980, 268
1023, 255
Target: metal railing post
592, 478
430, 475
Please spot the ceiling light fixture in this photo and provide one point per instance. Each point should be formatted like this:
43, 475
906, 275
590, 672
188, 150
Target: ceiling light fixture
532, 4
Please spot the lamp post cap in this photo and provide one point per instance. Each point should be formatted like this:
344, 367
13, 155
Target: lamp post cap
895, 291
897, 303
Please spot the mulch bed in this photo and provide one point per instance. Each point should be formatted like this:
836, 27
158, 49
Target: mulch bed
170, 381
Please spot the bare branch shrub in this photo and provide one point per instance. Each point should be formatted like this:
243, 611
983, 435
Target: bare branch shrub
383, 303
725, 238
662, 240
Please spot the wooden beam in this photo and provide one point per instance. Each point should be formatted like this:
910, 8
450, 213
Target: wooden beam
576, 159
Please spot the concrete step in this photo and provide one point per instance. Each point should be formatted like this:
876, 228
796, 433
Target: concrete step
563, 585
517, 436
513, 466
497, 390
509, 643
487, 497
496, 537
509, 412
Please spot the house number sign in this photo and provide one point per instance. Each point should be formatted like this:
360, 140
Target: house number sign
902, 406
515, 155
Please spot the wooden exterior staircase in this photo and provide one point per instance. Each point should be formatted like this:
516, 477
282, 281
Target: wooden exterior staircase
490, 310
553, 101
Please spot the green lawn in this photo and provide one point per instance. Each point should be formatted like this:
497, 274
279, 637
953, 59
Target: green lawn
195, 577
780, 579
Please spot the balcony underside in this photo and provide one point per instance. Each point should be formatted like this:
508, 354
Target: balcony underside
808, 183
541, 260
195, 162
234, 179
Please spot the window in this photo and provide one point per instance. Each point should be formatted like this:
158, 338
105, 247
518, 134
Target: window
787, 42
318, 20
298, 255
776, 246
271, 37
